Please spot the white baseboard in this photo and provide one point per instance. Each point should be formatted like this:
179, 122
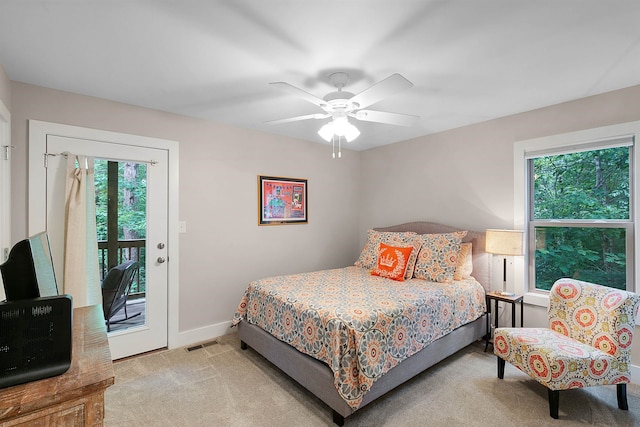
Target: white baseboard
199, 335
635, 374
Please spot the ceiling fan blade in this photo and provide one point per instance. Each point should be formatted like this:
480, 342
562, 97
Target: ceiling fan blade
384, 88
298, 118
384, 117
300, 93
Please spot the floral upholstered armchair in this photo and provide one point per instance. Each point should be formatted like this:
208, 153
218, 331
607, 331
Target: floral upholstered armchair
587, 343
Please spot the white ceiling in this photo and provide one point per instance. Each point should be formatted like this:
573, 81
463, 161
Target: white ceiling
469, 60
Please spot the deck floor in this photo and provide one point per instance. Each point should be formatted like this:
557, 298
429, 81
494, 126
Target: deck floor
133, 307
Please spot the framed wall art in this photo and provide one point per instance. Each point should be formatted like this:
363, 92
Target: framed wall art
282, 200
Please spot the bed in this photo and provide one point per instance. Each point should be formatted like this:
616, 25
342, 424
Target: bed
349, 336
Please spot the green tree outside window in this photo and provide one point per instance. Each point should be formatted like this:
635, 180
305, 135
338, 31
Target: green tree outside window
579, 214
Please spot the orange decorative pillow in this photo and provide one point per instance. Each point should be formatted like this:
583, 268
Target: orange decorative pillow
369, 256
392, 262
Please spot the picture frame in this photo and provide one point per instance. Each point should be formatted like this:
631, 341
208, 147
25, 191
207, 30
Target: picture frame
282, 200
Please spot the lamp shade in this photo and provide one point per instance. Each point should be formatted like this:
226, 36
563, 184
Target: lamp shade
504, 242
326, 131
351, 133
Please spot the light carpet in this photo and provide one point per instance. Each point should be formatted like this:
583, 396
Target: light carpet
222, 385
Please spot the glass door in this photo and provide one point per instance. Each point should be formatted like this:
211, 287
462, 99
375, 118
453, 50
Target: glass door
140, 214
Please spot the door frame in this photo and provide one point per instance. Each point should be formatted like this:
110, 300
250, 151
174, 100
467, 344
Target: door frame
38, 131
5, 186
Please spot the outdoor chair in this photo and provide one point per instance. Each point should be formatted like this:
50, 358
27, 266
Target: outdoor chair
115, 290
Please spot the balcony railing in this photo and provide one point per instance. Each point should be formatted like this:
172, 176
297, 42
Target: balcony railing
127, 250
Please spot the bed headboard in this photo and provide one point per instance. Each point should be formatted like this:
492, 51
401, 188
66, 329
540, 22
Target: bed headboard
480, 257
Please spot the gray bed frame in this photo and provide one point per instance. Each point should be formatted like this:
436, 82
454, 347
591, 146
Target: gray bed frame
317, 377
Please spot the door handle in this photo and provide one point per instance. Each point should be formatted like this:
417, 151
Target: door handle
161, 259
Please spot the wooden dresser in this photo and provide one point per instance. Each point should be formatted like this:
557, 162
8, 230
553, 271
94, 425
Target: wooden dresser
75, 398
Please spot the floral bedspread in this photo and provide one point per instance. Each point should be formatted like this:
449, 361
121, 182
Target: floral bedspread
358, 324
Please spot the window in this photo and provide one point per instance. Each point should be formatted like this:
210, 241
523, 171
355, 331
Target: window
580, 216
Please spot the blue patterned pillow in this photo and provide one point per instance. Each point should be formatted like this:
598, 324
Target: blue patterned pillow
438, 256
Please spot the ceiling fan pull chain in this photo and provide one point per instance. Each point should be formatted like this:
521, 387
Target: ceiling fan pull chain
339, 146
333, 146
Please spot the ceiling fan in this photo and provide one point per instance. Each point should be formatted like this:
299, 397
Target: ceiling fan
340, 105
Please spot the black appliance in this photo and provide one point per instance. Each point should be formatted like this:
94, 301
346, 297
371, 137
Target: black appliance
35, 322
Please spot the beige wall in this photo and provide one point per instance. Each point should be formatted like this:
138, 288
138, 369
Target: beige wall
223, 248
464, 177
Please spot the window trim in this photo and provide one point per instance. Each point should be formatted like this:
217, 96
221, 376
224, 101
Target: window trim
613, 142
573, 141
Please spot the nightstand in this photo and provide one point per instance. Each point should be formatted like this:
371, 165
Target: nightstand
511, 299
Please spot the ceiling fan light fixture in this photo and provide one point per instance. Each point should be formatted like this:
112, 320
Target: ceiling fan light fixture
340, 125
351, 133
326, 132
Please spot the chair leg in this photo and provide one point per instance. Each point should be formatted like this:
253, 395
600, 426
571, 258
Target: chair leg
500, 367
622, 396
554, 402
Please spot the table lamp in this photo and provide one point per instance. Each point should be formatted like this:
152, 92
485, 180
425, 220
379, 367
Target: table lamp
505, 243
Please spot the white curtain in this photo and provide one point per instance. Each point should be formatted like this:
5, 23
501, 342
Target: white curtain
81, 274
